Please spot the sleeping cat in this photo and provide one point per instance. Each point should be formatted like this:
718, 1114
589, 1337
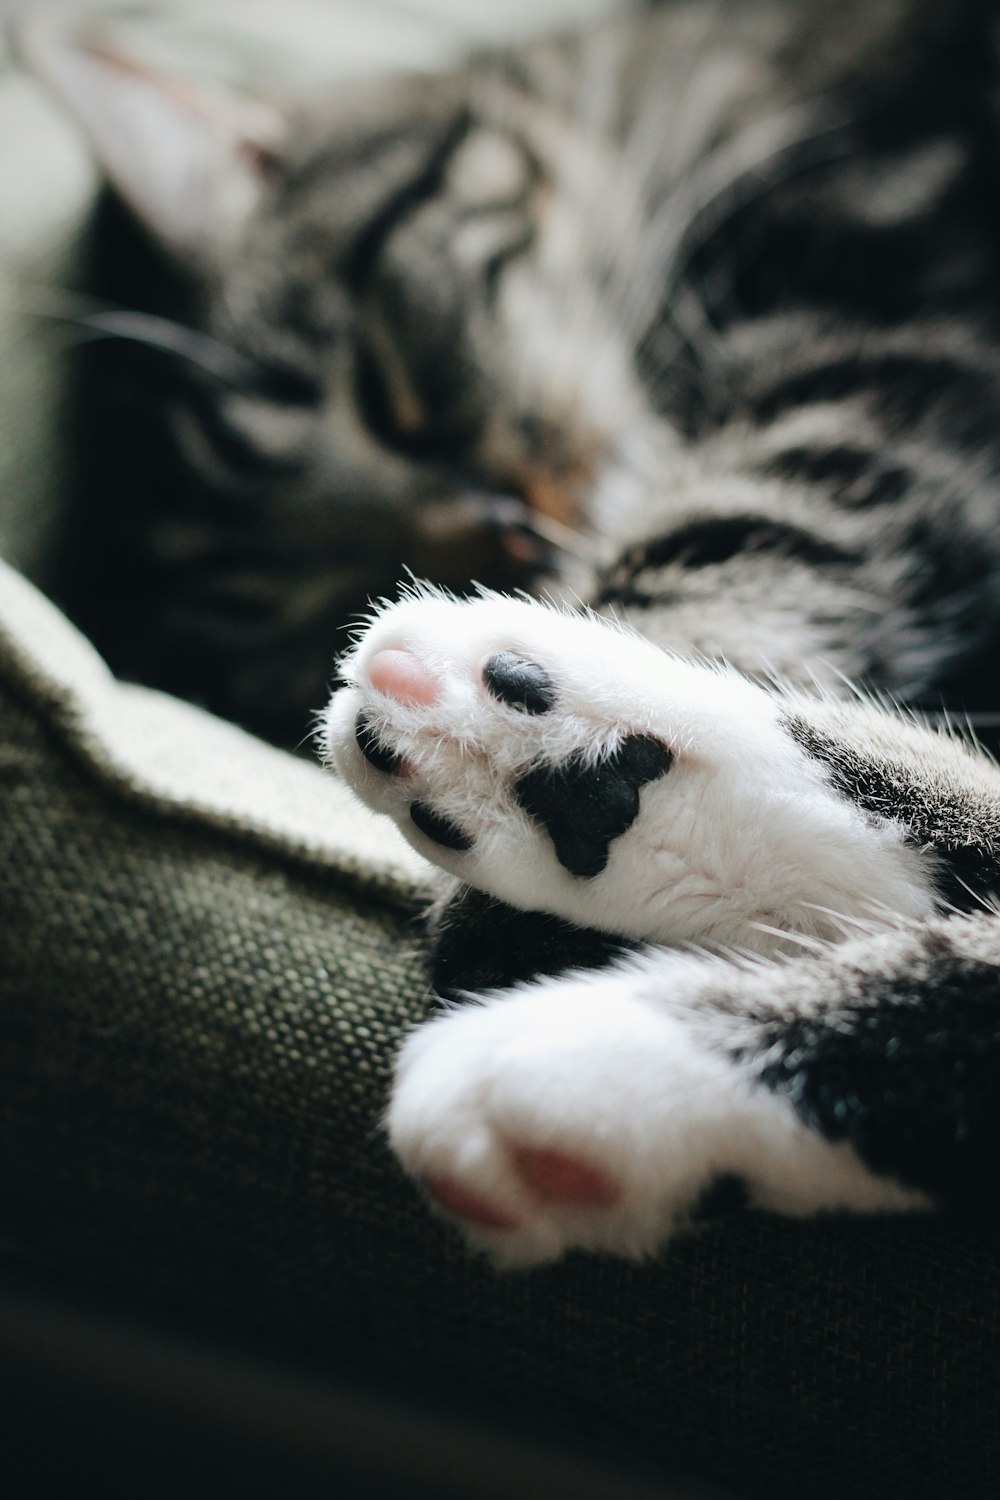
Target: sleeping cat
714, 289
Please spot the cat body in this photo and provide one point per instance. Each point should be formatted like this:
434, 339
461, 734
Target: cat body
712, 289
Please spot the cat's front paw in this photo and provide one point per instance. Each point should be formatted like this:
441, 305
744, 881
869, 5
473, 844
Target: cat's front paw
603, 1112
565, 1117
566, 766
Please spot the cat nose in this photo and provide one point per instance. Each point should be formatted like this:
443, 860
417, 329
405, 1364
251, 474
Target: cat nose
400, 675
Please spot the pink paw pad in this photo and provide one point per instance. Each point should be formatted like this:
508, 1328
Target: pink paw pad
458, 1200
555, 1176
401, 675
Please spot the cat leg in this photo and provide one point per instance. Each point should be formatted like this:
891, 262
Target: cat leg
568, 767
606, 1112
610, 1110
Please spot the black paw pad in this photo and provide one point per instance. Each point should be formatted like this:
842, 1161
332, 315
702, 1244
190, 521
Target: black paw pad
374, 752
440, 829
584, 807
521, 683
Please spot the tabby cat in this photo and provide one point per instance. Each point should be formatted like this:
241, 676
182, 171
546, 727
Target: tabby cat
693, 316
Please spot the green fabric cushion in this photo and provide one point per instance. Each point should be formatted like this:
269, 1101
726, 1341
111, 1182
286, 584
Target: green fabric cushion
206, 960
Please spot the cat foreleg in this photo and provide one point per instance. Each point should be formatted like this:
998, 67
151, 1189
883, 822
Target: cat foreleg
567, 767
608, 1111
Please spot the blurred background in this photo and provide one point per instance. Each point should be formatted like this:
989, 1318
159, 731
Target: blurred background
49, 184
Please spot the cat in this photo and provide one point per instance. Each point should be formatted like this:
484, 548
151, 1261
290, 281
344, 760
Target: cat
713, 288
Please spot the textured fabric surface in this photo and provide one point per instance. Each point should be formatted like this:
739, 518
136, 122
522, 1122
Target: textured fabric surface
172, 757
196, 1023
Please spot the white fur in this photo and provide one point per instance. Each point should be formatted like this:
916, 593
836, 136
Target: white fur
614, 1070
741, 840
627, 1072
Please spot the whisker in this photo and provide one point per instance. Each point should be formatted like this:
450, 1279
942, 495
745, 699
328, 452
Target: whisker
563, 537
814, 945
729, 177
92, 321
214, 359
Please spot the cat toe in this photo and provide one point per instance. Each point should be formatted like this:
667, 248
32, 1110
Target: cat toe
550, 1177
440, 829
557, 1177
402, 676
375, 750
465, 1204
519, 682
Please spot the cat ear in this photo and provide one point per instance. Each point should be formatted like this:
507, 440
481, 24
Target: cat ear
191, 161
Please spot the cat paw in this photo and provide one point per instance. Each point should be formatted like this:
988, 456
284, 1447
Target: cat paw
564, 765
537, 1123
605, 1112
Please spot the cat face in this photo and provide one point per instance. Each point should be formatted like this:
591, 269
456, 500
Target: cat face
415, 366
430, 276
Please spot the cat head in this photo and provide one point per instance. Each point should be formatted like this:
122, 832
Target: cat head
395, 352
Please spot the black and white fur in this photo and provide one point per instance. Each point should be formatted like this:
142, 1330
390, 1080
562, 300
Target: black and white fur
837, 1078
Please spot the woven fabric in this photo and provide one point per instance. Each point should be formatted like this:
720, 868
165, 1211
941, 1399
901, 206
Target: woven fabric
197, 1016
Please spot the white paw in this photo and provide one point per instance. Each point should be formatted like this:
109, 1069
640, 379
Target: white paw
588, 1114
566, 766
538, 1121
